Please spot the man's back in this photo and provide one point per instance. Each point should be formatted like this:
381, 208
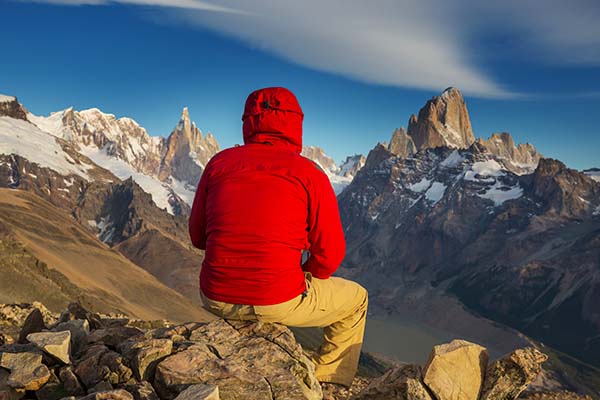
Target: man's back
257, 207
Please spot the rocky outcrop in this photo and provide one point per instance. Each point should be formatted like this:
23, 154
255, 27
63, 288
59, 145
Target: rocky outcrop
318, 155
352, 165
401, 144
186, 152
117, 360
442, 122
520, 159
10, 107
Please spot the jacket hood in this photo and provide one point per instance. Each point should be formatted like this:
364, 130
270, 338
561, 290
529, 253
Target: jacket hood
273, 115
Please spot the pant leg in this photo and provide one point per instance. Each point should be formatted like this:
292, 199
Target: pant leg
340, 307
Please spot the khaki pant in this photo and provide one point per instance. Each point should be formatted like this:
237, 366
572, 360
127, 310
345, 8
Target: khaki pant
335, 304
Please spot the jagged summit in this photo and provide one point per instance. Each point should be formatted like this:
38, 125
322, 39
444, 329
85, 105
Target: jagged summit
442, 122
10, 107
401, 144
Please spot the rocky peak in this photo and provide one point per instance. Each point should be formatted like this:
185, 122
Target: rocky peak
352, 165
443, 121
401, 144
520, 159
186, 152
10, 107
318, 155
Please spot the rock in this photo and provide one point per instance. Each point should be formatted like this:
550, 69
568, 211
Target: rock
76, 311
102, 386
98, 364
57, 344
246, 360
16, 314
401, 144
145, 355
5, 339
455, 370
33, 323
114, 336
118, 394
507, 377
142, 391
52, 390
26, 370
199, 392
70, 381
79, 328
443, 121
402, 383
7, 392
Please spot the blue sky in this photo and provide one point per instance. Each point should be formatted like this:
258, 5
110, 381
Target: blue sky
359, 68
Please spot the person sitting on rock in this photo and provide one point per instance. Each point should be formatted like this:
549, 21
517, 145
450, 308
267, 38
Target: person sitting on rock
257, 208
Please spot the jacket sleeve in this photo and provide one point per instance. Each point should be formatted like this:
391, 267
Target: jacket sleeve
325, 235
197, 223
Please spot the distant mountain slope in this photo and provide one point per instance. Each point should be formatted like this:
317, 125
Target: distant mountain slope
98, 275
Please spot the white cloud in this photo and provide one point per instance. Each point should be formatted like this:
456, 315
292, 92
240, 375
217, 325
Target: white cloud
417, 44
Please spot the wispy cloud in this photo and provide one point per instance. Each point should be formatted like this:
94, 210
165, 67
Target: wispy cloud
417, 44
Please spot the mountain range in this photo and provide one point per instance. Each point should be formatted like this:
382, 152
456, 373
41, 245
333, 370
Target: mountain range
456, 231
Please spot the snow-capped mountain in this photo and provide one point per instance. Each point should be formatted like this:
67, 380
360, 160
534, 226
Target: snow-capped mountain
593, 173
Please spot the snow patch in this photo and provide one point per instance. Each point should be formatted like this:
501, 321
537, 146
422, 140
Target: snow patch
6, 99
435, 192
420, 186
339, 183
27, 140
489, 168
499, 194
452, 160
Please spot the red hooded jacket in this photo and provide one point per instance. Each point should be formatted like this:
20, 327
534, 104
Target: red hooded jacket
258, 206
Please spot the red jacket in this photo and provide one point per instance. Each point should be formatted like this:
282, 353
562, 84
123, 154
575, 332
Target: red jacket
259, 205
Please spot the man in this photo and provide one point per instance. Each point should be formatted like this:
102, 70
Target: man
257, 207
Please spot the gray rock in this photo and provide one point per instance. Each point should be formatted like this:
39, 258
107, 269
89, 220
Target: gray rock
142, 391
57, 344
79, 328
98, 364
199, 392
26, 370
402, 383
70, 381
508, 377
33, 323
144, 355
249, 360
114, 336
118, 394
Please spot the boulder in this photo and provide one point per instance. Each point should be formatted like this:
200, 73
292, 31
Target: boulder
98, 364
144, 355
114, 336
199, 392
247, 360
57, 344
455, 370
70, 381
402, 383
79, 328
26, 370
118, 394
142, 391
52, 390
33, 323
76, 311
507, 377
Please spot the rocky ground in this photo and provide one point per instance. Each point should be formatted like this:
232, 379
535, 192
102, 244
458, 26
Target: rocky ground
83, 355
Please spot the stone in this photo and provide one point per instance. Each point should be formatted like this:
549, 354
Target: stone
114, 336
402, 383
33, 323
79, 328
98, 363
118, 394
76, 311
455, 370
57, 344
142, 391
199, 392
7, 392
26, 370
70, 381
249, 360
508, 377
52, 390
144, 355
